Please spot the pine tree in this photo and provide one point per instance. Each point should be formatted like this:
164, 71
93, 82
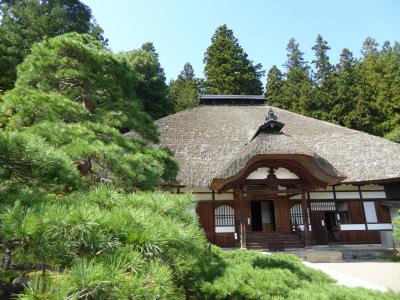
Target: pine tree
80, 98
273, 88
28, 163
184, 90
68, 224
228, 69
25, 22
151, 88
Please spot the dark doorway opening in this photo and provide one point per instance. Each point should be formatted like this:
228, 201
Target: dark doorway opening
262, 216
256, 217
318, 224
331, 227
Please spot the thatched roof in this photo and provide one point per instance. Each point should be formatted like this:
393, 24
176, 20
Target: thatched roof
209, 140
272, 144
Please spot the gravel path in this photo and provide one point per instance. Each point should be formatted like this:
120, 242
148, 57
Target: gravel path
373, 275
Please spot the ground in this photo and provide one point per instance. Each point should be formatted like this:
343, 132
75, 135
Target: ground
378, 275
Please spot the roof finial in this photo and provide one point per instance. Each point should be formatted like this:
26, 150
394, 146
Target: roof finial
271, 124
270, 116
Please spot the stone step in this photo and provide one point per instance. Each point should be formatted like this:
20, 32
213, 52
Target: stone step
285, 238
316, 256
267, 243
363, 255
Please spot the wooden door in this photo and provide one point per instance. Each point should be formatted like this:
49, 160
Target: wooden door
318, 227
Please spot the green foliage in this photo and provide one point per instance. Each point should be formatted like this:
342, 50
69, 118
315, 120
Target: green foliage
110, 245
243, 274
396, 224
25, 22
251, 275
394, 135
151, 87
322, 65
297, 88
26, 160
80, 98
228, 69
273, 89
79, 68
183, 91
362, 94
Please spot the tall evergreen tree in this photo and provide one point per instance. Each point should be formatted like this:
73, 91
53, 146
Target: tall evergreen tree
380, 73
152, 88
369, 46
324, 81
321, 62
362, 94
297, 88
184, 90
294, 56
273, 88
188, 72
25, 22
228, 70
346, 88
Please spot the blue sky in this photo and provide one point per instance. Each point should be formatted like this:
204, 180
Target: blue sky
181, 30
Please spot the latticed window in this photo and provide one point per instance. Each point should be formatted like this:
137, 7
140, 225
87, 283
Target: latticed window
296, 214
224, 216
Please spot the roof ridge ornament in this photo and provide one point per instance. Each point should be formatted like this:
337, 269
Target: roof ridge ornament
271, 124
270, 115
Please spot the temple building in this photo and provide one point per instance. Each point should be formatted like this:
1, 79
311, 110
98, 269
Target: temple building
267, 178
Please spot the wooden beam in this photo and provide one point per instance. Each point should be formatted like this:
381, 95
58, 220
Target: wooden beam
242, 220
282, 182
304, 205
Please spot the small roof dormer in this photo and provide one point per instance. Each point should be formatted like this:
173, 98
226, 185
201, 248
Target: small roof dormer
271, 125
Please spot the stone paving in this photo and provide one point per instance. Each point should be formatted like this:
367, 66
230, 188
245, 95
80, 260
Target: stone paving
377, 275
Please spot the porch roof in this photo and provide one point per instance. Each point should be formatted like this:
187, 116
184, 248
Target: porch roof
278, 150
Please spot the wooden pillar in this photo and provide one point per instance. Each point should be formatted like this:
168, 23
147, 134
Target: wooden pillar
363, 208
304, 205
242, 220
213, 215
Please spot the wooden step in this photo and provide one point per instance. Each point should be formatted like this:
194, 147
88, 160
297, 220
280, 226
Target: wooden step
272, 241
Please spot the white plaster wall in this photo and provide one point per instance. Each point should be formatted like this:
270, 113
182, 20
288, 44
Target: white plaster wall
205, 194
282, 173
321, 195
373, 195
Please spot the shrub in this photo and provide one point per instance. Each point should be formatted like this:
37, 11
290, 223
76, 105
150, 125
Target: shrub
243, 274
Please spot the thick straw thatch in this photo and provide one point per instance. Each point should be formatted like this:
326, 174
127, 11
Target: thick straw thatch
273, 144
206, 139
